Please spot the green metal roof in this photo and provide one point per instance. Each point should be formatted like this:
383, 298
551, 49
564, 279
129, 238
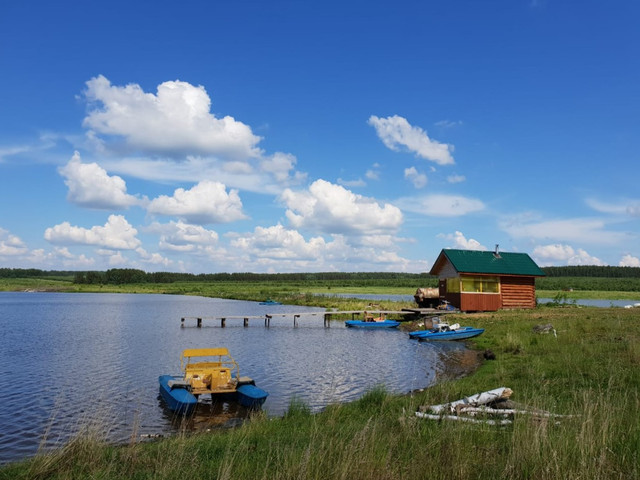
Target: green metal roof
504, 263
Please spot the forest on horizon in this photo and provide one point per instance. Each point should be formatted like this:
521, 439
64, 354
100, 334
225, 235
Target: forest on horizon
131, 275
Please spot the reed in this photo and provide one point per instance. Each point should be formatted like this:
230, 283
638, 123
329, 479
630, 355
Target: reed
587, 372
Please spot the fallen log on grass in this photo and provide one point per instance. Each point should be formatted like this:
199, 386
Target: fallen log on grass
466, 409
430, 416
483, 398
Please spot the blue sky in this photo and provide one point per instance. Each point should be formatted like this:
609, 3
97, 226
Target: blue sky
292, 136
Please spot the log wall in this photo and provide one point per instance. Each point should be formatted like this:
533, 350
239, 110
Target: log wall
479, 302
518, 292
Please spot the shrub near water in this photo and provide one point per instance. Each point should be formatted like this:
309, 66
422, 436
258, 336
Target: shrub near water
588, 373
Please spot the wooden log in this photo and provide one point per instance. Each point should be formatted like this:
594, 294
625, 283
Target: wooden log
474, 400
462, 419
511, 411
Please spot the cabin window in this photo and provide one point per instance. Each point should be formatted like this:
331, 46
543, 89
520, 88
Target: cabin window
453, 285
480, 285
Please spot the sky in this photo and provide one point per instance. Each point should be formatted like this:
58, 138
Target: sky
292, 136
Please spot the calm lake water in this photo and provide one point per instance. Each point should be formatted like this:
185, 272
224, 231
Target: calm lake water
68, 361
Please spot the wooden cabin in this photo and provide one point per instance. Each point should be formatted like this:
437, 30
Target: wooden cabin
483, 281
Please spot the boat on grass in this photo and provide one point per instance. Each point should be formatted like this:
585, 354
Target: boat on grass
215, 373
444, 331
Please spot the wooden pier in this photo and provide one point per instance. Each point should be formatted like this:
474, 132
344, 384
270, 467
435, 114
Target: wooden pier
327, 316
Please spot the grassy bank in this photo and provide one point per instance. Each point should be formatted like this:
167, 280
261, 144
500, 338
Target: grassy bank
291, 292
588, 371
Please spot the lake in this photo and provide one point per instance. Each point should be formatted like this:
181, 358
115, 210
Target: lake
72, 361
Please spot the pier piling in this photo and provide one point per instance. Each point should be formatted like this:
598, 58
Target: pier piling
327, 316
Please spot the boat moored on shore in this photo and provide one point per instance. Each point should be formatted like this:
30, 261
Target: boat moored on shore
444, 331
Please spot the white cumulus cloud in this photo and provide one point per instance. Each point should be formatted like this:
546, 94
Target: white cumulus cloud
176, 119
116, 234
280, 243
183, 237
396, 132
279, 165
554, 254
418, 179
90, 186
11, 245
207, 202
629, 261
458, 240
331, 208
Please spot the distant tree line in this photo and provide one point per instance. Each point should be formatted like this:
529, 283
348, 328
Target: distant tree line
593, 271
604, 284
118, 276
34, 273
123, 276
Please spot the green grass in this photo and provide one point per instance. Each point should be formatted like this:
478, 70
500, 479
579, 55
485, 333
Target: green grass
589, 371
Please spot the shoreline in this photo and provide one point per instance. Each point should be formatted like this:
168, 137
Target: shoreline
588, 370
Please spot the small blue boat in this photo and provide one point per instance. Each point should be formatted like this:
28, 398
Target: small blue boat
372, 323
444, 331
218, 376
268, 301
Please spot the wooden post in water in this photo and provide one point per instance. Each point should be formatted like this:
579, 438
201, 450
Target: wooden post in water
295, 320
223, 322
199, 322
246, 322
327, 318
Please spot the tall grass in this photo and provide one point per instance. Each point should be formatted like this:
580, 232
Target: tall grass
588, 373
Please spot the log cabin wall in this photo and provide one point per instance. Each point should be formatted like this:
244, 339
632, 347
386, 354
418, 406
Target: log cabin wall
518, 292
479, 302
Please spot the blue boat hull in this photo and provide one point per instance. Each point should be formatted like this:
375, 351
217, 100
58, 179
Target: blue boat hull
178, 400
459, 334
181, 401
363, 324
250, 396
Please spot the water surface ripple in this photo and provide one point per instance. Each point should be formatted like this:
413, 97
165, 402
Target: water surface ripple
69, 362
